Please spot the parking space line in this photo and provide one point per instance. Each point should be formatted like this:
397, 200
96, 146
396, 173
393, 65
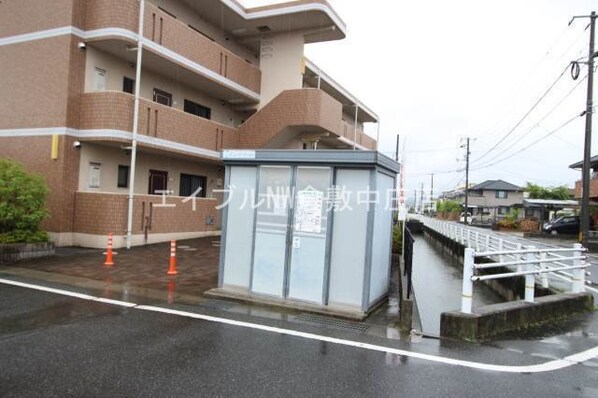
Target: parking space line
537, 368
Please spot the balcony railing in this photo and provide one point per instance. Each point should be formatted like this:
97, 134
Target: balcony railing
112, 110
176, 36
348, 131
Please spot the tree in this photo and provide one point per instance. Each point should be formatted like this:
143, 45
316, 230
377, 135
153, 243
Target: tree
538, 192
22, 204
448, 206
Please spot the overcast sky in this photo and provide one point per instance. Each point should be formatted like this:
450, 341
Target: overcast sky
437, 71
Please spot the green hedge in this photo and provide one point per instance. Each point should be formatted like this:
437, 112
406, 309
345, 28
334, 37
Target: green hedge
22, 204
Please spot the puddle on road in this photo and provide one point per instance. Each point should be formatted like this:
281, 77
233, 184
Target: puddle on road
56, 314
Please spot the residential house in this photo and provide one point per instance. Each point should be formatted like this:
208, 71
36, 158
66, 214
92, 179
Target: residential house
593, 179
494, 197
213, 75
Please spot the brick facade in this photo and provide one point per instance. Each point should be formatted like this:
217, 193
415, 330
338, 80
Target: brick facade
114, 111
103, 213
60, 175
46, 79
305, 107
593, 189
167, 31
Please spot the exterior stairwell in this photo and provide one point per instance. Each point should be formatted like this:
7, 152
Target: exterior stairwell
309, 108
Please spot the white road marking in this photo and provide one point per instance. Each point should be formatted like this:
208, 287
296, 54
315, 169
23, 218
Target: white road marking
542, 367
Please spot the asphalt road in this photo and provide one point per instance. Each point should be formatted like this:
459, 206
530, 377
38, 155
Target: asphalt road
53, 345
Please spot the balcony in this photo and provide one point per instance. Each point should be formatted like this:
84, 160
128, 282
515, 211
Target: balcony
112, 112
593, 189
295, 112
165, 31
362, 138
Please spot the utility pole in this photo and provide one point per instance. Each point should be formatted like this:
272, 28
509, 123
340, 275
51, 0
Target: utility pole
431, 189
467, 153
415, 200
585, 196
421, 201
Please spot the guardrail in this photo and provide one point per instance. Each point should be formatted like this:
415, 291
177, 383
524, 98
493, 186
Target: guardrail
532, 262
567, 264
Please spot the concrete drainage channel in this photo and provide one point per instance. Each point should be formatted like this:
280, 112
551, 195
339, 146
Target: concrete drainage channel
513, 264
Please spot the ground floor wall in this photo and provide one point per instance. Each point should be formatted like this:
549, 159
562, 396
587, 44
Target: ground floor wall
60, 173
108, 158
155, 219
83, 216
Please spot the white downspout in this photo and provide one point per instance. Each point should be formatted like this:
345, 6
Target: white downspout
135, 124
355, 128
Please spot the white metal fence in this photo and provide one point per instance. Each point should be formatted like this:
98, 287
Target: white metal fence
565, 264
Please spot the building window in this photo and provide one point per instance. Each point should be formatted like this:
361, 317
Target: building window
501, 194
100, 79
162, 97
190, 184
503, 210
197, 109
529, 213
95, 174
128, 85
158, 182
123, 176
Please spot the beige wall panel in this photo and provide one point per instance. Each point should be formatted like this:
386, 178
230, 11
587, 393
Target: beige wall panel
281, 60
38, 90
110, 158
18, 17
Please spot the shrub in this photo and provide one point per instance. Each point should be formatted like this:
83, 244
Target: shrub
508, 224
397, 238
448, 206
529, 225
22, 200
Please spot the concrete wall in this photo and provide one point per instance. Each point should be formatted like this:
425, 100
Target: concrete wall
496, 320
281, 62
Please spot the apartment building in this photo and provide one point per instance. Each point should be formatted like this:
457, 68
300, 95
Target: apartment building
213, 75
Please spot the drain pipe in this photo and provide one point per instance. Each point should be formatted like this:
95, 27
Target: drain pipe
135, 124
355, 128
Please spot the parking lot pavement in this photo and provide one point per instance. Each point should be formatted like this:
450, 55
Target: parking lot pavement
142, 267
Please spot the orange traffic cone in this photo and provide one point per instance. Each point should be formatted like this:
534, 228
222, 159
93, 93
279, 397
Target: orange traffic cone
172, 269
109, 262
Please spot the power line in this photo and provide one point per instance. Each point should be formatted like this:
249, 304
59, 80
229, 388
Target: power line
525, 81
533, 143
525, 115
537, 124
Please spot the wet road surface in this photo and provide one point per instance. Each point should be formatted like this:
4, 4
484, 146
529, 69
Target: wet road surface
54, 345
